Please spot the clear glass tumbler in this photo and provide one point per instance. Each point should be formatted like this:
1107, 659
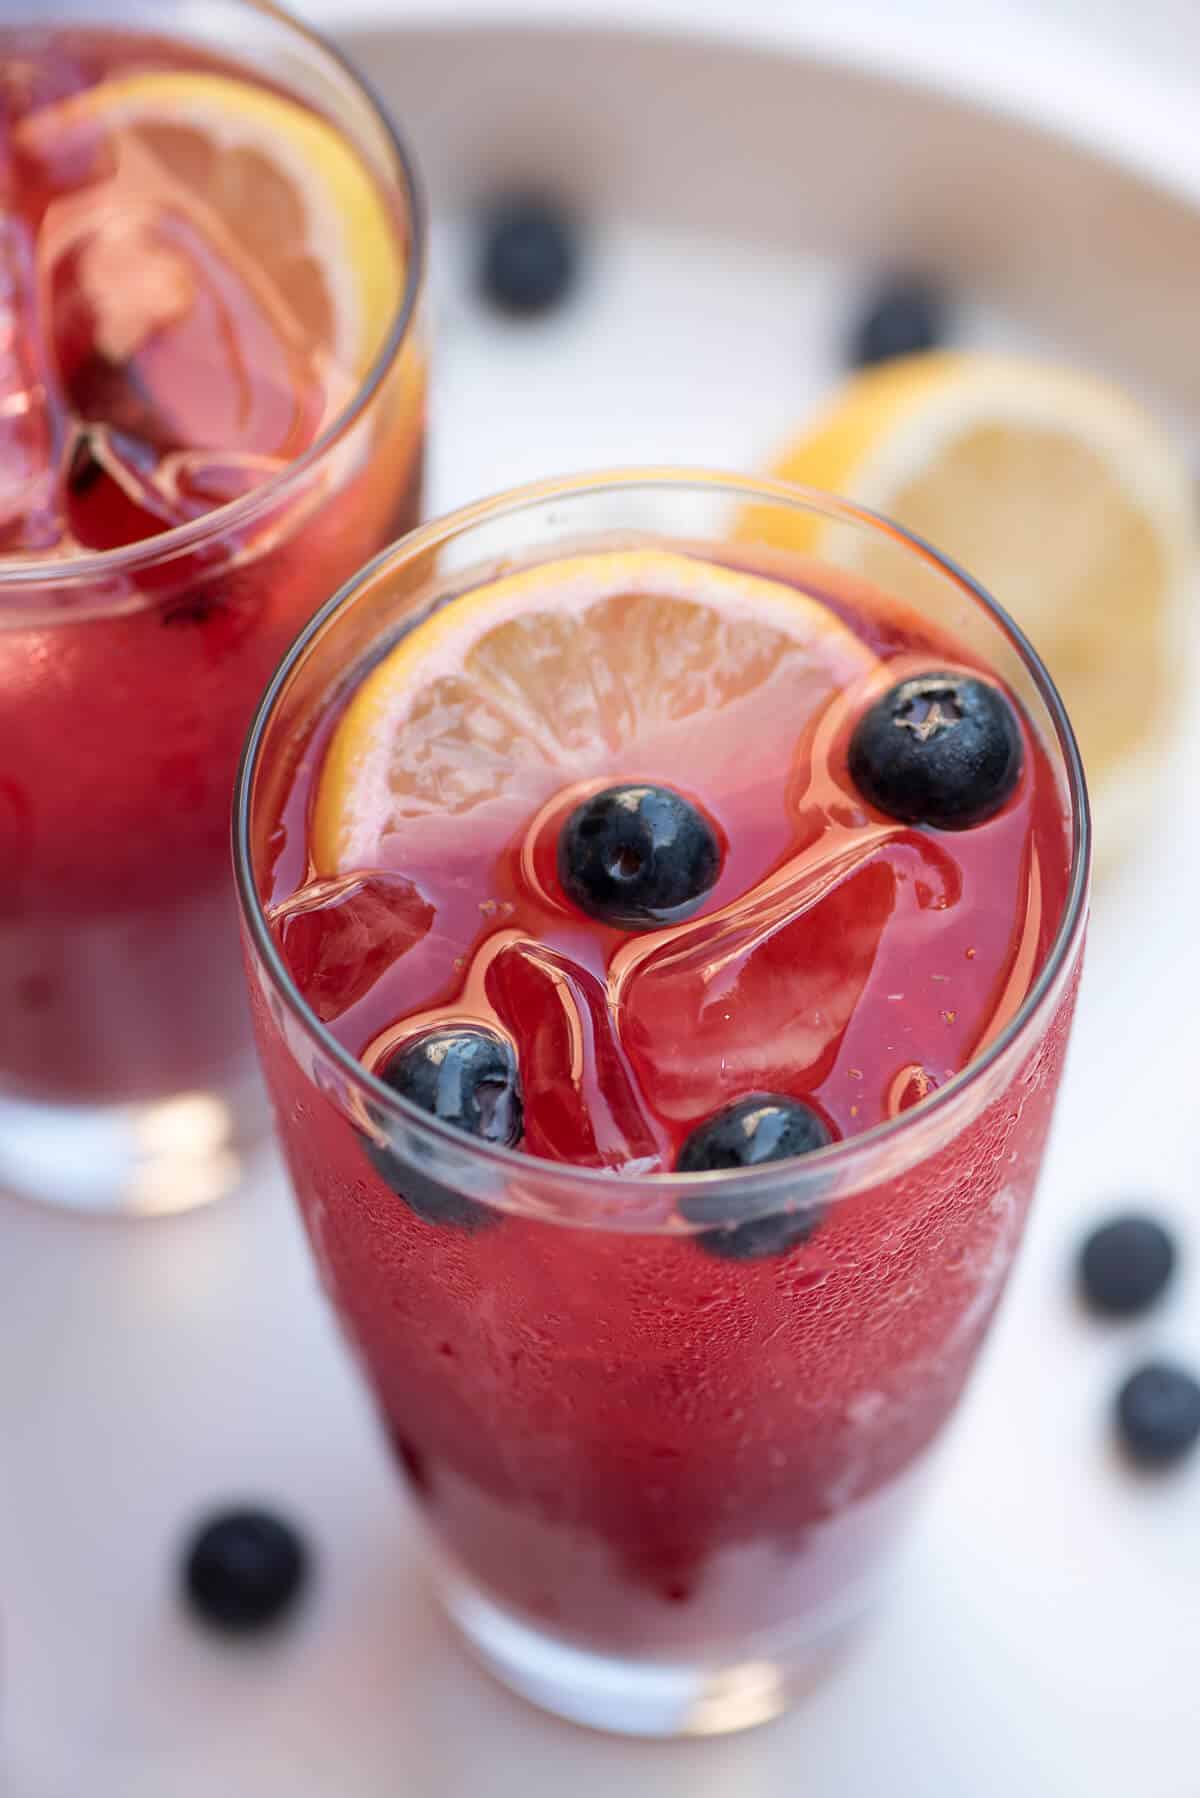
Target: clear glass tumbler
657, 1486
128, 678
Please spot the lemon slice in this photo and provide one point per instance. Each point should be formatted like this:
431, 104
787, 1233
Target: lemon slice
1057, 493
643, 663
282, 183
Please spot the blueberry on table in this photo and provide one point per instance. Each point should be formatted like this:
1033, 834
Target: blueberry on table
938, 749
244, 1570
750, 1133
529, 256
467, 1077
1158, 1414
1125, 1265
904, 316
637, 857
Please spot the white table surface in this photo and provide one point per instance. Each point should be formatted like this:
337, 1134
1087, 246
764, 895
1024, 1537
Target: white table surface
1042, 1639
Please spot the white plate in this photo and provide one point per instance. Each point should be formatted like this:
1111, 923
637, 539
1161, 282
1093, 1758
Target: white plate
1043, 1639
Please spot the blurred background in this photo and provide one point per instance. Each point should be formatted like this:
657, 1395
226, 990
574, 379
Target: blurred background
745, 186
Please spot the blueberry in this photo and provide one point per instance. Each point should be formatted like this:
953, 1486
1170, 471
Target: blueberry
637, 857
1158, 1414
244, 1570
904, 315
466, 1076
529, 256
753, 1131
939, 749
1125, 1264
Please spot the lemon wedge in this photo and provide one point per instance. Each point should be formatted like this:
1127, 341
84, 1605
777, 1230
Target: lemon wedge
624, 662
284, 184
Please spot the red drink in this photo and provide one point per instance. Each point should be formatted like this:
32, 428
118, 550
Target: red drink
213, 415
660, 1428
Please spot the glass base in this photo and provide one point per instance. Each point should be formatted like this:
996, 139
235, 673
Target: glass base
145, 1160
649, 1698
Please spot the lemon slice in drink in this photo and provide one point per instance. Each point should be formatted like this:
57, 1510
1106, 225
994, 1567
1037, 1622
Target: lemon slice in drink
1056, 492
289, 201
633, 663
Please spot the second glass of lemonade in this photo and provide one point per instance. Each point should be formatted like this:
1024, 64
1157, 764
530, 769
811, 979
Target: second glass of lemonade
663, 949
212, 376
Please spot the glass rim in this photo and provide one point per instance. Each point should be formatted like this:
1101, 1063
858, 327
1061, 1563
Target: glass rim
816, 1169
49, 571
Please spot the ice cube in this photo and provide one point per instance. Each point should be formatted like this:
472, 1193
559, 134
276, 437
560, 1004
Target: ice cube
581, 1103
36, 74
339, 936
107, 392
162, 327
100, 314
758, 995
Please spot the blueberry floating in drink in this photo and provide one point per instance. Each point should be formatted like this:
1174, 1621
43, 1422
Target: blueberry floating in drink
465, 1077
754, 1131
938, 749
638, 856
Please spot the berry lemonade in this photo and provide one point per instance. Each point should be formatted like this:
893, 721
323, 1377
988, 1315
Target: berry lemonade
665, 859
200, 276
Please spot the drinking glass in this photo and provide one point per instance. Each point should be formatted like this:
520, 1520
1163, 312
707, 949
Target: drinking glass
127, 681
657, 1487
